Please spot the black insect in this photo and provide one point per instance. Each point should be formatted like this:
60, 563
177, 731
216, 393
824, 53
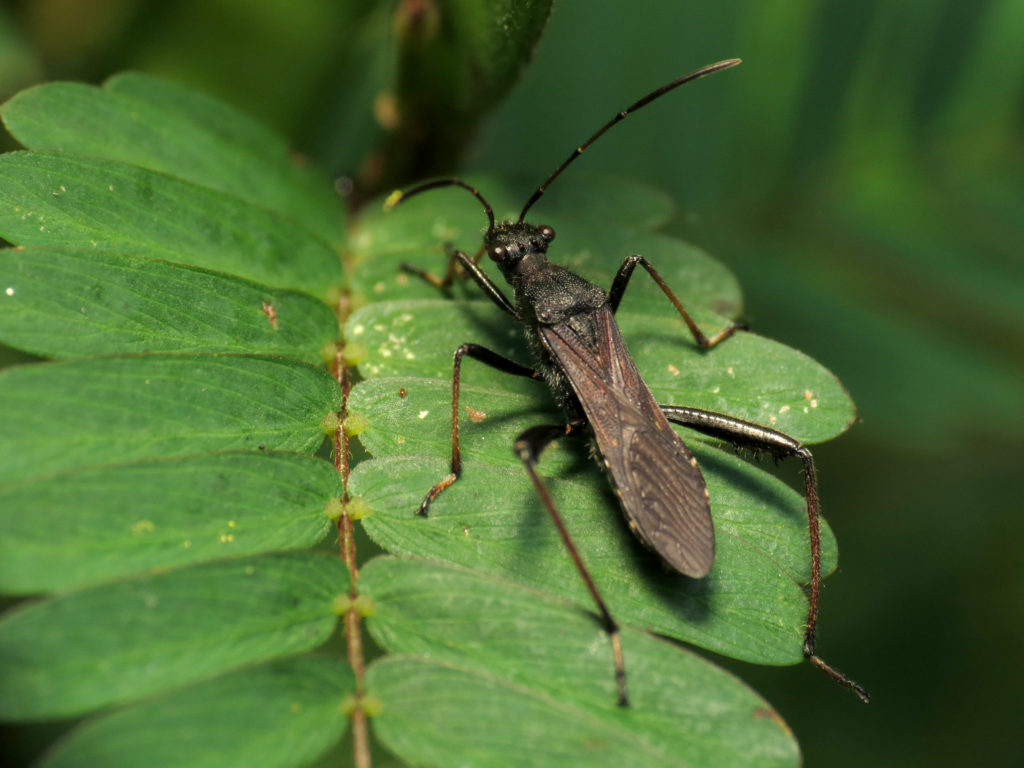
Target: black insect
579, 351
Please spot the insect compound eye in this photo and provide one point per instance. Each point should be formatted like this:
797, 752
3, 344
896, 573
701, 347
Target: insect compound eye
498, 252
547, 233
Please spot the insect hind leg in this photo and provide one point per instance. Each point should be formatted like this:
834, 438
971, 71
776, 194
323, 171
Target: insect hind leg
528, 447
746, 434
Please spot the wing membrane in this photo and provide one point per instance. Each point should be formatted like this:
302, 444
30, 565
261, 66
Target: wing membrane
655, 476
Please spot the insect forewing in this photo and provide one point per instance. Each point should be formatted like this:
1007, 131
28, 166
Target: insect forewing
656, 477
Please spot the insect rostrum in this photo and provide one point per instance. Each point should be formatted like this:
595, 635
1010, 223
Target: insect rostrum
579, 352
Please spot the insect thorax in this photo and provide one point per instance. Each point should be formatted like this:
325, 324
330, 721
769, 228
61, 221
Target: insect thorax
554, 296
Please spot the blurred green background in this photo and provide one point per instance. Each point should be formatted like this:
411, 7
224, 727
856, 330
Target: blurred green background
863, 175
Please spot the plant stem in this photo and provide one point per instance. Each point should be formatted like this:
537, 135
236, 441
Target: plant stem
346, 541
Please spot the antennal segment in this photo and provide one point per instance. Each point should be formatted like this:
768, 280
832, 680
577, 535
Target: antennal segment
398, 195
621, 115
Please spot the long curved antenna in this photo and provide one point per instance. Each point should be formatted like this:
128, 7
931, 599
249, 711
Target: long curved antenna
716, 67
398, 195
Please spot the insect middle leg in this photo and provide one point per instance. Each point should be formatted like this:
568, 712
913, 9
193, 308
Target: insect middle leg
619, 288
528, 447
494, 360
746, 434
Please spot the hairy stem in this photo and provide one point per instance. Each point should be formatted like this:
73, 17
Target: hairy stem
347, 543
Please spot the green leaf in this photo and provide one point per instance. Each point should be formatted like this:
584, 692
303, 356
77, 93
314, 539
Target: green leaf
158, 514
119, 642
114, 470
514, 667
88, 412
751, 606
75, 303
51, 198
608, 200
279, 715
157, 124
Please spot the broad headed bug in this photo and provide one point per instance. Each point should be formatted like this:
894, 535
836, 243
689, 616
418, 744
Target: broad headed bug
578, 350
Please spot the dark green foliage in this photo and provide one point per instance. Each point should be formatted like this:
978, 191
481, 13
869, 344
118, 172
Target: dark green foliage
481, 652
455, 59
159, 440
146, 495
861, 173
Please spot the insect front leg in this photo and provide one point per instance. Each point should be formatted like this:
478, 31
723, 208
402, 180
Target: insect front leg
437, 282
619, 288
528, 447
746, 434
488, 286
494, 360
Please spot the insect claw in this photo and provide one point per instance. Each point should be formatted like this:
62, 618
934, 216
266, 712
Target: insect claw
435, 492
838, 676
620, 669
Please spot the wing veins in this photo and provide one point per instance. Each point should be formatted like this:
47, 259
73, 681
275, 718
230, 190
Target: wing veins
661, 489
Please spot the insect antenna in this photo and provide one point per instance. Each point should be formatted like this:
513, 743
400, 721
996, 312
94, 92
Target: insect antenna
399, 196
620, 116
